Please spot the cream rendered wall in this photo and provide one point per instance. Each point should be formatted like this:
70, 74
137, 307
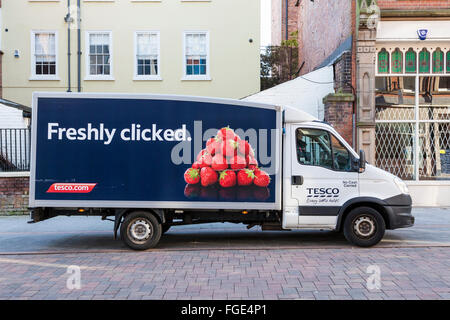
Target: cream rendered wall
234, 64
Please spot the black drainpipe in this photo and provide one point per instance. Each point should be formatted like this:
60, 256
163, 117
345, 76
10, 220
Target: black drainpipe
68, 21
287, 20
79, 43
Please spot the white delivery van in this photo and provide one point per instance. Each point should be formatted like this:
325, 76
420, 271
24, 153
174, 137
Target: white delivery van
152, 162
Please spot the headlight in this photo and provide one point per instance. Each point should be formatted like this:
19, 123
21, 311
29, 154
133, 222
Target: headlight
401, 185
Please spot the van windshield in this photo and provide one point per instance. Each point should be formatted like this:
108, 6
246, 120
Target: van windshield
320, 148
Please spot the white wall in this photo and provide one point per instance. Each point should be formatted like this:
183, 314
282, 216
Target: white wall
305, 93
429, 193
11, 118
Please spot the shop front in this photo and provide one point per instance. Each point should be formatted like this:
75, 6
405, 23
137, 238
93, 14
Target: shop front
412, 106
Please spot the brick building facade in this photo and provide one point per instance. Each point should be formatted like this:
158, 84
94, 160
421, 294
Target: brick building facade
415, 5
284, 22
391, 61
14, 195
322, 43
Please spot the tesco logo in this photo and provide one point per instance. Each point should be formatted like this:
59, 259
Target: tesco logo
71, 187
323, 191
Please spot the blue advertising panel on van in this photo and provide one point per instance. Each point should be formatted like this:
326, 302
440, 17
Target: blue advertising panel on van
115, 149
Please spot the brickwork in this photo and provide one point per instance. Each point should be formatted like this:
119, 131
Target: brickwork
14, 195
339, 113
413, 4
293, 16
323, 25
343, 73
276, 22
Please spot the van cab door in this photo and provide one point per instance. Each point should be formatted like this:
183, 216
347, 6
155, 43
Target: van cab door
324, 176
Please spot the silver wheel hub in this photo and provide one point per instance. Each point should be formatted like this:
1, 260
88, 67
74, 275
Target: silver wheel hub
140, 230
364, 226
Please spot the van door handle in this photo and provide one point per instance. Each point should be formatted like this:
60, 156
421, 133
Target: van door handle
297, 180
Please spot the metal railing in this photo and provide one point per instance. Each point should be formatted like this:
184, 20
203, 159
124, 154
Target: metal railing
15, 150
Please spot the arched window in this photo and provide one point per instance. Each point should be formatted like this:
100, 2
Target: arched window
438, 61
448, 61
424, 61
411, 61
397, 61
383, 61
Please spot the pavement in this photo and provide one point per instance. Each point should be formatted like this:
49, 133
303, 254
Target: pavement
222, 261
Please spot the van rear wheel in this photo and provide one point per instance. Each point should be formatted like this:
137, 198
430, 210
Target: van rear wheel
364, 227
140, 230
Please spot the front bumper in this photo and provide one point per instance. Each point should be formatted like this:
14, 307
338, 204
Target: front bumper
399, 209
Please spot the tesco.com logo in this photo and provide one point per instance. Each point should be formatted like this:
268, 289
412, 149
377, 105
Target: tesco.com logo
71, 187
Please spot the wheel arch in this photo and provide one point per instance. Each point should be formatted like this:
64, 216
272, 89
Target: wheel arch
122, 213
374, 203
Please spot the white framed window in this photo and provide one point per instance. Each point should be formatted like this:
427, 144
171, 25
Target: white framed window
44, 57
99, 56
196, 55
147, 55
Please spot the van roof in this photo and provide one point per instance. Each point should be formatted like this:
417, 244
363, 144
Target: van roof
294, 115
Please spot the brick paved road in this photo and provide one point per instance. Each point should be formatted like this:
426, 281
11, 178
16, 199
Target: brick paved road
406, 273
414, 262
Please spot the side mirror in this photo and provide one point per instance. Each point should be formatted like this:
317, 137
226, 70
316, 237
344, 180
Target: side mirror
362, 161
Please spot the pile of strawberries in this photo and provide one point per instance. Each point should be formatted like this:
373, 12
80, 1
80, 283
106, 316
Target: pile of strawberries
229, 160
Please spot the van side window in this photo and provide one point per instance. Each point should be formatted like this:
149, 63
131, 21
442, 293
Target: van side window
314, 148
320, 148
341, 156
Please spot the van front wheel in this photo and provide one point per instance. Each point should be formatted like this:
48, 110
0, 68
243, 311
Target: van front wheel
140, 230
364, 227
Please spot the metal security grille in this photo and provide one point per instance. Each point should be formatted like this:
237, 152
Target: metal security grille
434, 156
395, 148
413, 126
15, 149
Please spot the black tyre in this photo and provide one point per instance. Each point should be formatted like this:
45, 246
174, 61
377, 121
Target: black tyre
165, 228
140, 230
364, 227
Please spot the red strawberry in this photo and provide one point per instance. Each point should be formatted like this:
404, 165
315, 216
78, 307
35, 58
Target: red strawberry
229, 147
210, 140
205, 160
192, 176
200, 154
208, 176
262, 179
245, 177
244, 148
219, 162
213, 146
237, 163
226, 133
227, 178
196, 165
251, 162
